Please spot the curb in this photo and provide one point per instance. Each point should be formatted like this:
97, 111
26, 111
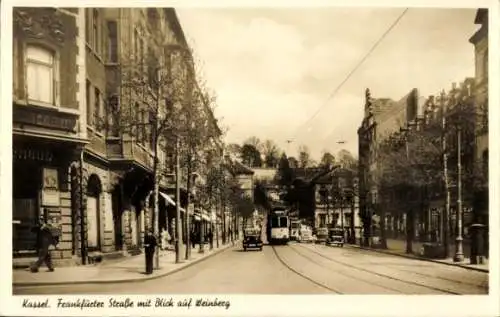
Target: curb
420, 258
127, 280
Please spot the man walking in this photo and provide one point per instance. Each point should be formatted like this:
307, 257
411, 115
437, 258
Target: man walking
45, 237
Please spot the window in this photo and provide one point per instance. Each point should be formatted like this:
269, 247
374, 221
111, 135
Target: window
112, 42
41, 74
137, 120
143, 128
88, 101
283, 222
95, 30
136, 45
485, 64
97, 109
87, 26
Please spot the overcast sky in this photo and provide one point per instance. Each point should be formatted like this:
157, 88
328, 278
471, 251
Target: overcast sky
273, 68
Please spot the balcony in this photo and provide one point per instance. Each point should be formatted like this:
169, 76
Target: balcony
129, 150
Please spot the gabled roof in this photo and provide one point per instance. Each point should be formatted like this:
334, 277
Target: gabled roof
237, 168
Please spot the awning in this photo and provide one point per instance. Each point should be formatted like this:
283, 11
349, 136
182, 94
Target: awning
168, 199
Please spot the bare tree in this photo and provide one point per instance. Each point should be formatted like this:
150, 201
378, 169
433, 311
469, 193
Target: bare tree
271, 153
143, 107
255, 142
304, 156
327, 159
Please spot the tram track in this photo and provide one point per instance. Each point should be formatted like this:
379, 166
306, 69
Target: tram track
433, 276
344, 273
283, 262
375, 273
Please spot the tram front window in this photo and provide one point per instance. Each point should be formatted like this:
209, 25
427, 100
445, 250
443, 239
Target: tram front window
283, 222
274, 222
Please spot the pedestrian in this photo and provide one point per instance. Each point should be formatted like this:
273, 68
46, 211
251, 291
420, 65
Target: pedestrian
210, 238
149, 250
46, 236
192, 237
165, 239
231, 236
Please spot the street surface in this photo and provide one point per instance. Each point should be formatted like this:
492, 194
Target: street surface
298, 269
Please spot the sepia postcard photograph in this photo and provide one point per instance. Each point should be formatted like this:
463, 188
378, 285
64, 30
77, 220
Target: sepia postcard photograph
171, 157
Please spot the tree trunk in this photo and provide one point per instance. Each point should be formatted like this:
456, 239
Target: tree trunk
409, 231
187, 228
383, 238
156, 213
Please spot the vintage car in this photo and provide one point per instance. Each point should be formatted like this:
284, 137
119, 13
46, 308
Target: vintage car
321, 235
306, 235
252, 239
335, 237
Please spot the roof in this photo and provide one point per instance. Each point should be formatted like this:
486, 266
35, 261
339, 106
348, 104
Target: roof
481, 16
238, 168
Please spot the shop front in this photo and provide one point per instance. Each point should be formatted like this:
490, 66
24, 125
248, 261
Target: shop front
40, 188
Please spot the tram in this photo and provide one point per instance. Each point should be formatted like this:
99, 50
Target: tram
278, 226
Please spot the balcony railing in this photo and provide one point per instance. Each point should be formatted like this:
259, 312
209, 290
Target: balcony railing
129, 150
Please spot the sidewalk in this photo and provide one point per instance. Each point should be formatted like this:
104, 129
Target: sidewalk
398, 248
123, 270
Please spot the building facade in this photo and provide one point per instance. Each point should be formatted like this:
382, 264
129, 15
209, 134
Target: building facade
382, 119
77, 72
480, 42
49, 127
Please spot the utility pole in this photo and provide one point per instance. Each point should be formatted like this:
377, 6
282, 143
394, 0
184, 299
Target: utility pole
178, 233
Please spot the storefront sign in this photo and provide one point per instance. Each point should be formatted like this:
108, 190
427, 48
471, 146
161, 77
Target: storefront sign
32, 154
50, 179
50, 197
52, 120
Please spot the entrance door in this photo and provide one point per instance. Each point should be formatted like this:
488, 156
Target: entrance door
92, 223
117, 219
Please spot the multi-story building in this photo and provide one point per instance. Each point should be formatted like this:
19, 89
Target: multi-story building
480, 42
49, 122
83, 143
383, 118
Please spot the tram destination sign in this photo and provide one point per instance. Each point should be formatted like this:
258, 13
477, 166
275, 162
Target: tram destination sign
43, 118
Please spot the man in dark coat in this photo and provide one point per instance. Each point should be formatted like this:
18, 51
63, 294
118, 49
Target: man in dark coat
192, 238
210, 238
149, 250
44, 239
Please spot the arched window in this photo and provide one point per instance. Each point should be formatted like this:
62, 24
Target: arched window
41, 74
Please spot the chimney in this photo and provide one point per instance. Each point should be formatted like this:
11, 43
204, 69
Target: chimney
454, 86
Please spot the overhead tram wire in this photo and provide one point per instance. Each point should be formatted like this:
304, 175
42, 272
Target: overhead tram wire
365, 57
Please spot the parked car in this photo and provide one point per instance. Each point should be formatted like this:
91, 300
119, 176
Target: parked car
335, 237
321, 235
252, 239
306, 236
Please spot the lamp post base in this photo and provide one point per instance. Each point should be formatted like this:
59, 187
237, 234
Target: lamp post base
459, 253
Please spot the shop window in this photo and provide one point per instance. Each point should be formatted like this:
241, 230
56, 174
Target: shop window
41, 75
